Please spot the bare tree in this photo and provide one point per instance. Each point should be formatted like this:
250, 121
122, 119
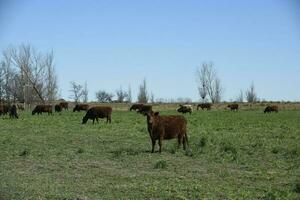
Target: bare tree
240, 97
76, 91
121, 95
103, 96
51, 78
152, 98
143, 96
85, 93
209, 83
129, 96
251, 95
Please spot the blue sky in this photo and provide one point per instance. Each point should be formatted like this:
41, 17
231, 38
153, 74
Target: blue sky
116, 43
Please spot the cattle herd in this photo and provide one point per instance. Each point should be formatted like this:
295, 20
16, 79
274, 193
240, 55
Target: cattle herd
159, 127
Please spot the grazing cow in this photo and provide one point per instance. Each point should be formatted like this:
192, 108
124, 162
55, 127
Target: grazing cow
98, 112
185, 109
79, 107
166, 127
13, 112
270, 109
233, 107
64, 105
58, 108
39, 109
20, 107
136, 107
4, 109
144, 109
203, 106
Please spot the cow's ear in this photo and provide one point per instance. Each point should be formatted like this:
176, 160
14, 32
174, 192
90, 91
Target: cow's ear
156, 113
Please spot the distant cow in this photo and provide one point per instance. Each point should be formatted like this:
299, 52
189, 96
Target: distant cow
13, 112
204, 106
166, 127
4, 109
98, 112
144, 109
39, 109
64, 105
20, 107
233, 107
136, 107
269, 109
79, 107
58, 108
185, 109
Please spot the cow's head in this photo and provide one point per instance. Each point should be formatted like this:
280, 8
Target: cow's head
84, 119
152, 117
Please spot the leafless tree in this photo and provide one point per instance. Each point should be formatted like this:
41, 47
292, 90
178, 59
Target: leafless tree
152, 98
103, 96
121, 95
240, 97
143, 96
129, 96
76, 91
209, 83
85, 93
51, 78
251, 95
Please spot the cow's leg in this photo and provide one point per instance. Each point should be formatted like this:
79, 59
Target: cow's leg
93, 120
97, 120
179, 141
160, 143
153, 145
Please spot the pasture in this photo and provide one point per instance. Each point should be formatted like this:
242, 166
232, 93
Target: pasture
233, 155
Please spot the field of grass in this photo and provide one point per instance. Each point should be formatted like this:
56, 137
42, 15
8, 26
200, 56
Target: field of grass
232, 155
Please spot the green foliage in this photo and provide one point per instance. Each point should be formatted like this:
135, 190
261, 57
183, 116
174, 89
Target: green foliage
231, 155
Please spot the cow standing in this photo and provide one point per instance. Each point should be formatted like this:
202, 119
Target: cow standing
64, 105
233, 107
270, 109
13, 112
166, 127
136, 107
39, 109
98, 112
58, 108
185, 109
203, 106
79, 107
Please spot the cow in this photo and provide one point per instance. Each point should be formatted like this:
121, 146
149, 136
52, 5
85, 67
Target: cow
185, 109
144, 109
4, 109
64, 105
166, 127
13, 112
58, 108
135, 107
79, 107
233, 107
270, 109
39, 109
203, 106
20, 107
98, 112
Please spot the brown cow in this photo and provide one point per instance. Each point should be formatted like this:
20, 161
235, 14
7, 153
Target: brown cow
270, 109
166, 127
185, 109
39, 109
204, 106
58, 108
4, 109
98, 112
144, 109
135, 107
64, 105
79, 107
233, 107
20, 107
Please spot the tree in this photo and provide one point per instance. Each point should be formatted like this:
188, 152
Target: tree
76, 91
251, 95
208, 83
143, 96
121, 95
85, 93
240, 97
103, 96
152, 98
129, 96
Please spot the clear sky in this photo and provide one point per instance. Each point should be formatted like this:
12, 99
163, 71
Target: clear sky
114, 43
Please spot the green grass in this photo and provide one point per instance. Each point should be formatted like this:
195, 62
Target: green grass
243, 155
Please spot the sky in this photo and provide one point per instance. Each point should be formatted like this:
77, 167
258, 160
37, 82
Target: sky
113, 44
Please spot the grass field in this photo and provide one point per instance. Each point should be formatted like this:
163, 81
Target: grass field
232, 155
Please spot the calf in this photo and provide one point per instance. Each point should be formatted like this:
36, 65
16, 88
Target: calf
58, 108
233, 107
64, 105
13, 112
39, 109
270, 109
185, 109
98, 112
203, 106
166, 127
79, 107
